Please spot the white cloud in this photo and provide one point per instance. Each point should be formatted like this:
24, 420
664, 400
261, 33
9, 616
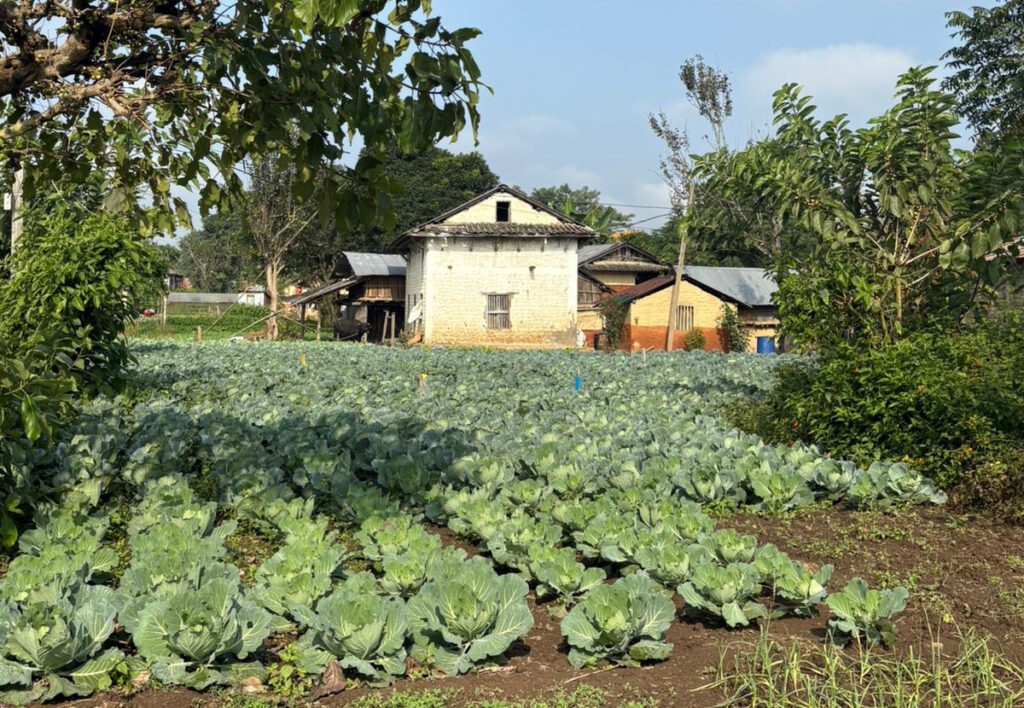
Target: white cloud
858, 79
652, 194
536, 123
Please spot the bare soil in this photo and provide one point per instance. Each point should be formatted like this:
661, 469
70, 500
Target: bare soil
960, 571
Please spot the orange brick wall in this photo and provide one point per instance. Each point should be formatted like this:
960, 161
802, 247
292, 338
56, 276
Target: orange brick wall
654, 337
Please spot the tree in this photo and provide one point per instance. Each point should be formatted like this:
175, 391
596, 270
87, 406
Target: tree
155, 94
428, 183
584, 205
273, 221
216, 258
893, 229
708, 90
988, 70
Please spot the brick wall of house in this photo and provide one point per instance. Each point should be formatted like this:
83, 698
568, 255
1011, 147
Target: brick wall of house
540, 274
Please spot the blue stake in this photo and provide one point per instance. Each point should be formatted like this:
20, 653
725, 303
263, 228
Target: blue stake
579, 381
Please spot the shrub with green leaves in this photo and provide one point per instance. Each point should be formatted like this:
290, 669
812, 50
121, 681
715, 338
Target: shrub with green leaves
728, 593
469, 618
862, 613
55, 648
624, 623
364, 632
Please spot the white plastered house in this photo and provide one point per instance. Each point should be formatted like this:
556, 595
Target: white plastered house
499, 270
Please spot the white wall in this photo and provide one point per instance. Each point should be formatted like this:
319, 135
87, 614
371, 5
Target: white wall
457, 273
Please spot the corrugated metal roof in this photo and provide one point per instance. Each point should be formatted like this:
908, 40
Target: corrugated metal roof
364, 265
566, 228
752, 287
586, 253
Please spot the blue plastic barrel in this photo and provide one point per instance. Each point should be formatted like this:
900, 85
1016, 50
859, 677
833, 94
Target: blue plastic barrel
766, 345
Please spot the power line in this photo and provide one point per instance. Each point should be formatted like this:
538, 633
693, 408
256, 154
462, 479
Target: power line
636, 206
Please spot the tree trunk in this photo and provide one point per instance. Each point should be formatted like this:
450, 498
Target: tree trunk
273, 270
17, 195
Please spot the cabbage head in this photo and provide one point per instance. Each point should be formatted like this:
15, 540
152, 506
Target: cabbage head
468, 618
196, 637
365, 632
55, 648
624, 623
727, 593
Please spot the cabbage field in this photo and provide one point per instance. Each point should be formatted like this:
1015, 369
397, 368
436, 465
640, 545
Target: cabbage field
344, 464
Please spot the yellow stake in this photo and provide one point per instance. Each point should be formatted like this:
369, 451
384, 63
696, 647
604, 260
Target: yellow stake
302, 359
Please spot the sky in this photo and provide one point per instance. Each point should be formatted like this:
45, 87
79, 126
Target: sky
575, 80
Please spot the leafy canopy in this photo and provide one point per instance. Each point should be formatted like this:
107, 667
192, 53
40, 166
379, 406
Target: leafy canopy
154, 94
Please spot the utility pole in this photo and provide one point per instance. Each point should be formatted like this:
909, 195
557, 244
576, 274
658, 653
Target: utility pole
683, 227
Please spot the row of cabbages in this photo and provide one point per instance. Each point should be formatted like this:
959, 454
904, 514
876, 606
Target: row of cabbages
193, 623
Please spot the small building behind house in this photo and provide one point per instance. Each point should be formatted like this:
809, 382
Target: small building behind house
703, 292
376, 296
499, 270
606, 269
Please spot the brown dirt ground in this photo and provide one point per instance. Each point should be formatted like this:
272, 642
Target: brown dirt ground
960, 571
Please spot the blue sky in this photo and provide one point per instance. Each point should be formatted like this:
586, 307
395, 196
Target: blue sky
575, 80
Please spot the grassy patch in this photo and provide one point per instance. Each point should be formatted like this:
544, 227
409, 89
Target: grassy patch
766, 674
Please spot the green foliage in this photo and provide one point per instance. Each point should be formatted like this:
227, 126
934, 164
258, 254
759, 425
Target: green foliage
986, 67
54, 648
407, 80
560, 575
583, 204
469, 618
623, 623
934, 400
864, 614
732, 332
614, 313
194, 637
216, 258
725, 592
694, 340
431, 181
883, 230
364, 632
76, 281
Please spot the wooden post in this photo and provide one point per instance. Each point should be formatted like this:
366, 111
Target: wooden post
671, 332
318, 319
199, 333
302, 321
394, 318
163, 311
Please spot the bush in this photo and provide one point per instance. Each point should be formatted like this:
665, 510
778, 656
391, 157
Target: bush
731, 331
75, 280
694, 340
949, 404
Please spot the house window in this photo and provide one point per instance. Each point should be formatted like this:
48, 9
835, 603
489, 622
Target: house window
502, 212
497, 316
684, 318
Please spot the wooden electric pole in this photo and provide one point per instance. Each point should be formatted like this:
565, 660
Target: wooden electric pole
17, 192
670, 336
